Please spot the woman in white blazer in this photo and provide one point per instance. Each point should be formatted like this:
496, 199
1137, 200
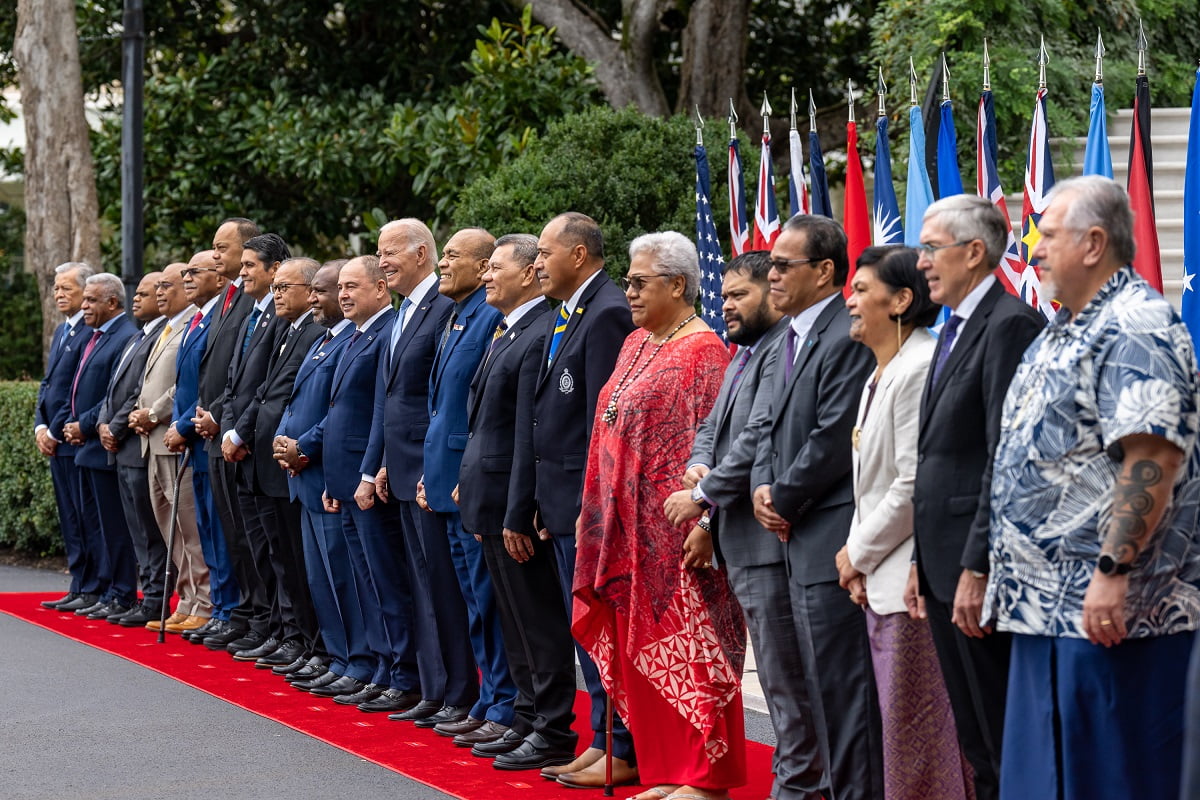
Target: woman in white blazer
890, 311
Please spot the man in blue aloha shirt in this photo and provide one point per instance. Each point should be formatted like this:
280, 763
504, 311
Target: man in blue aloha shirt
1093, 535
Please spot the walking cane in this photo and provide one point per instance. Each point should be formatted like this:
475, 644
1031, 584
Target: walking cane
168, 584
608, 756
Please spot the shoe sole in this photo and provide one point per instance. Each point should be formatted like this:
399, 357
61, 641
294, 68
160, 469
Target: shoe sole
548, 762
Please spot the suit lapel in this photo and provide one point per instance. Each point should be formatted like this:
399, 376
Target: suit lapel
573, 324
474, 301
420, 311
809, 345
972, 330
532, 316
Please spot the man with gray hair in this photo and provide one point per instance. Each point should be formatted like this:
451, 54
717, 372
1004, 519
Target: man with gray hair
50, 414
1094, 505
105, 531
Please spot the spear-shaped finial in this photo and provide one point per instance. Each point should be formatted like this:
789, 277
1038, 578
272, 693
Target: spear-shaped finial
812, 112
733, 120
699, 128
881, 94
1142, 46
850, 98
1043, 60
765, 110
1099, 58
792, 112
912, 83
945, 79
987, 68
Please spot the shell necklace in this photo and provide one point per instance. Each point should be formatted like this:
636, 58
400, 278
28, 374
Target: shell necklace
610, 411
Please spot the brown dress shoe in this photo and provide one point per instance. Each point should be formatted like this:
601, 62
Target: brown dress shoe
187, 624
592, 777
581, 762
174, 619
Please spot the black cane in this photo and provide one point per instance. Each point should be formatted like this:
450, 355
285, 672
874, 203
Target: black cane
169, 584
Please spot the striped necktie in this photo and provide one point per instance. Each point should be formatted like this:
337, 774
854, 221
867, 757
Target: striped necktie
560, 327
254, 315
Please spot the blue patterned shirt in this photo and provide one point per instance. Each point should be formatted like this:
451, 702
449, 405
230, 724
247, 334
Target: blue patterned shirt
1124, 365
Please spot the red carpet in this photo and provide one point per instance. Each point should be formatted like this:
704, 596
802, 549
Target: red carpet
415, 753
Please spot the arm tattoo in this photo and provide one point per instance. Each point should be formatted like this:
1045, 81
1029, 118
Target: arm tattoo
1132, 504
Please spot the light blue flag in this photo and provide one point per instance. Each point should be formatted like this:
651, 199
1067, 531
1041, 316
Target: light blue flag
949, 175
1191, 220
1097, 158
919, 194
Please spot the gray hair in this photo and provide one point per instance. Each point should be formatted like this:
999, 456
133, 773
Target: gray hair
524, 246
967, 217
308, 266
1097, 201
111, 286
673, 254
416, 233
82, 270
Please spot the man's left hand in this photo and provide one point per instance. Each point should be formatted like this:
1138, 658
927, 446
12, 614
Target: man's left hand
72, 433
1104, 608
679, 507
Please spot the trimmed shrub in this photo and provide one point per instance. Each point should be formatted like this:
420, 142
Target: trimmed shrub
28, 516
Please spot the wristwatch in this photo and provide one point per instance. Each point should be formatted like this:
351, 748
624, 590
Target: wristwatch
705, 523
1108, 565
698, 499
152, 416
303, 459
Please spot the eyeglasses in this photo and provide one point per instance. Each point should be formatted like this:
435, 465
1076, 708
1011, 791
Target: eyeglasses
164, 285
279, 288
192, 272
927, 249
782, 265
638, 282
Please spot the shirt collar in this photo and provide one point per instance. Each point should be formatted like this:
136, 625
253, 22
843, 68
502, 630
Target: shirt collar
300, 320
107, 325
974, 297
366, 326
421, 290
802, 323
212, 301
153, 325
341, 326
74, 320
575, 298
181, 317
515, 315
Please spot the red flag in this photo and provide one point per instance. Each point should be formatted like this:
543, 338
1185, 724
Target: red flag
854, 214
1147, 261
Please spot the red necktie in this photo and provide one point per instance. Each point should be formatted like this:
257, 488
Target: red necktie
195, 321
87, 351
228, 298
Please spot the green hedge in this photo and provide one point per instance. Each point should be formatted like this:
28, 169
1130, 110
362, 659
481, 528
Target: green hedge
28, 518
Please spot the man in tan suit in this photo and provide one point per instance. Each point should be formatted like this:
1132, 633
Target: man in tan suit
153, 412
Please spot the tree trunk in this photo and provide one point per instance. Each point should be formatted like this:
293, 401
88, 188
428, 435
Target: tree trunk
61, 210
714, 62
624, 66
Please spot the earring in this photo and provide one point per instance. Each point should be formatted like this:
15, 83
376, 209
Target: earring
899, 334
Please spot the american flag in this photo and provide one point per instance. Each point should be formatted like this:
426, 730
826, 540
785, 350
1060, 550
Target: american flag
1039, 179
739, 225
709, 248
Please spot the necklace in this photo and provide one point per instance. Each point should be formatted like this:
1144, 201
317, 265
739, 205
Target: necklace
610, 411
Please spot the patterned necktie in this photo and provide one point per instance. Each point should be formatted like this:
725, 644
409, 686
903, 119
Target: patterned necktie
790, 353
949, 333
445, 336
500, 329
560, 327
87, 351
741, 367
254, 315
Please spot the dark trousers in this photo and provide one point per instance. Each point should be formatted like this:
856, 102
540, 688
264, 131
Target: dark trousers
259, 592
564, 554
1190, 783
976, 675
224, 492
148, 545
537, 640
334, 597
444, 657
223, 586
106, 533
280, 520
64, 476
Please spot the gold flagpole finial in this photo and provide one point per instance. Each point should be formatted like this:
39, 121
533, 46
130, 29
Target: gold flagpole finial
765, 110
1142, 46
881, 93
733, 119
792, 112
1099, 57
987, 68
699, 128
912, 83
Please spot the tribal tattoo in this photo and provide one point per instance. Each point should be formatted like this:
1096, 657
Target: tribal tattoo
1132, 504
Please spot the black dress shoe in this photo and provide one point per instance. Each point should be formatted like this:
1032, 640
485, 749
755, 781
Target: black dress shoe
363, 695
285, 654
94, 607
318, 682
115, 619
255, 653
247, 641
510, 740
391, 700
81, 601
56, 604
138, 617
289, 669
207, 629
445, 714
219, 638
313, 668
423, 709
343, 685
109, 609
487, 732
534, 753
464, 725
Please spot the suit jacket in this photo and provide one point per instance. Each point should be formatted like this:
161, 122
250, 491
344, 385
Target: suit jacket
402, 397
187, 386
123, 390
158, 385
350, 420
246, 373
804, 449
727, 444
960, 425
449, 385
564, 400
304, 414
496, 479
54, 393
91, 387
223, 340
885, 461
265, 411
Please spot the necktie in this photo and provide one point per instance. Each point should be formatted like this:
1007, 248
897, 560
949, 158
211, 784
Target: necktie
328, 338
949, 332
445, 335
254, 315
353, 339
741, 367
287, 340
790, 353
162, 339
560, 327
500, 329
398, 327
229, 293
87, 351
60, 336
192, 325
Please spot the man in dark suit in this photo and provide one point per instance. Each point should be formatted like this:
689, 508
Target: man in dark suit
124, 448
583, 339
103, 312
496, 485
395, 454
277, 514
299, 448
962, 240
803, 493
718, 481
50, 414
461, 346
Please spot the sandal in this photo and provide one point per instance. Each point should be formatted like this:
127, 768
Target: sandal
658, 790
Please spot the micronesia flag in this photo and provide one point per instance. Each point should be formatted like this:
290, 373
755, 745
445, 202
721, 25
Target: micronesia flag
709, 248
1097, 158
820, 183
888, 229
739, 225
919, 193
797, 186
1191, 220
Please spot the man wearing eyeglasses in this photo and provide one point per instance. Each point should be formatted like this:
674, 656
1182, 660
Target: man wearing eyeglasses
962, 241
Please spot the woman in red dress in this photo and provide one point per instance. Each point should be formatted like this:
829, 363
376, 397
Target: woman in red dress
661, 624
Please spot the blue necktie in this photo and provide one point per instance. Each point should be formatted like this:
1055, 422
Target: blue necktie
560, 327
949, 332
254, 315
398, 327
